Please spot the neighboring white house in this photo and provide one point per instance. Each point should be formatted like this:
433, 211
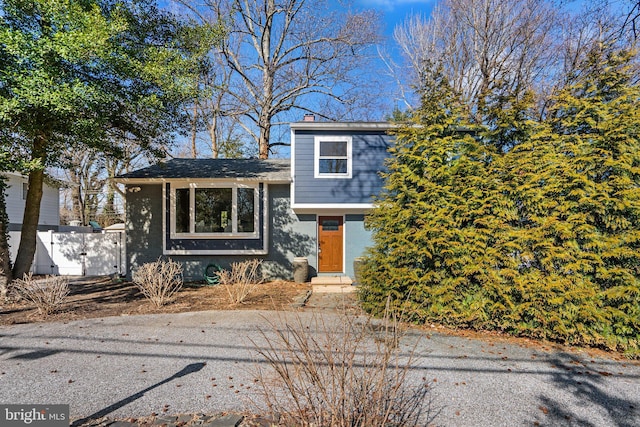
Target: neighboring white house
16, 194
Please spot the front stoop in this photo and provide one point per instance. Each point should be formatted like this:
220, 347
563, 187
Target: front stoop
332, 284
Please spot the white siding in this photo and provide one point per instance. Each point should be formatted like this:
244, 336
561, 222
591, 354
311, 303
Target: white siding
49, 207
15, 204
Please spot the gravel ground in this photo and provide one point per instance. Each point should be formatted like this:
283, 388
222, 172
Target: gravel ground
204, 362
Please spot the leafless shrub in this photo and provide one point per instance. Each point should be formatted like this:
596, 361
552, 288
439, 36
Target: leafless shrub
241, 280
4, 286
349, 373
47, 294
159, 280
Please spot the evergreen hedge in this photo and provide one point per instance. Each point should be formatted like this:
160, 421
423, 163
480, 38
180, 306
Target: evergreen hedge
539, 239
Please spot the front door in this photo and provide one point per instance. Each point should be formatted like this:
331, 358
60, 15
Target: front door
330, 244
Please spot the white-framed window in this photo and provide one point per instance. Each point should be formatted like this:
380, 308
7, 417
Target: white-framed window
214, 211
332, 157
25, 190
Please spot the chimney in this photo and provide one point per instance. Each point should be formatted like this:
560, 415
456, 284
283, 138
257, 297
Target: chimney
309, 118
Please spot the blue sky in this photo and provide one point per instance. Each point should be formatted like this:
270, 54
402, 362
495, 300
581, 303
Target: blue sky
395, 11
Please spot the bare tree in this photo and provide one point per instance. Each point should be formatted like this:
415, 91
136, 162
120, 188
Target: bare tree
486, 48
214, 115
132, 157
86, 181
220, 114
290, 54
628, 11
632, 18
92, 193
595, 25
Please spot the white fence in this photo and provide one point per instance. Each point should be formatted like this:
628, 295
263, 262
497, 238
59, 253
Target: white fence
76, 254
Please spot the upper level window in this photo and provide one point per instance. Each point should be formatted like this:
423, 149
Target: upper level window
214, 211
332, 157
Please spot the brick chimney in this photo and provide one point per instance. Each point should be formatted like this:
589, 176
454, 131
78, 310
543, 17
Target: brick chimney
309, 118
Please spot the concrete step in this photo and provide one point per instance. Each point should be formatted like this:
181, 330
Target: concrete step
332, 284
336, 289
331, 280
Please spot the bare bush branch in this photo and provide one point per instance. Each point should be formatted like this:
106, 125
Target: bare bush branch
243, 278
159, 280
47, 294
351, 373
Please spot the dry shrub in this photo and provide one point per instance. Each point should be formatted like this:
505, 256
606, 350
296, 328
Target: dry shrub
349, 373
4, 287
241, 280
159, 281
47, 294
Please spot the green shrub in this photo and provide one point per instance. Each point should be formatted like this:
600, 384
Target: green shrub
540, 240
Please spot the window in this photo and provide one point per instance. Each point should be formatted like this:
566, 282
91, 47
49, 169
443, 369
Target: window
25, 190
209, 211
246, 210
182, 210
333, 157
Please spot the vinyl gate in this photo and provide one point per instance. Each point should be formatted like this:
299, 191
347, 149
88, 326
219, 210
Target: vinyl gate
77, 254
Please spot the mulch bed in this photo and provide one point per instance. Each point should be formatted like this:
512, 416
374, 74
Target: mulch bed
105, 296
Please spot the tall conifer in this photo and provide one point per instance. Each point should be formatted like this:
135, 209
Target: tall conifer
530, 227
438, 225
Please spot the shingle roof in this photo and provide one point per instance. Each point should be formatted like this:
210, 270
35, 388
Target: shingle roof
263, 170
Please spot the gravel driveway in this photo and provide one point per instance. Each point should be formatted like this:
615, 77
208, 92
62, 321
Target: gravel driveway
204, 362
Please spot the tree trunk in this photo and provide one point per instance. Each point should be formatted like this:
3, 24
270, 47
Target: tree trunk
268, 76
213, 135
194, 131
5, 261
109, 208
28, 235
263, 145
78, 203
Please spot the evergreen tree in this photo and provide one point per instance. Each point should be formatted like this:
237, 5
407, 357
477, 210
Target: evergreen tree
77, 74
593, 185
523, 226
438, 226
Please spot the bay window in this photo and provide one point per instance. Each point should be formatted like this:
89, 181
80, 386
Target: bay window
210, 211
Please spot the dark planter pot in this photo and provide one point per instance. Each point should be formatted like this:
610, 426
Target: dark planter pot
357, 269
300, 269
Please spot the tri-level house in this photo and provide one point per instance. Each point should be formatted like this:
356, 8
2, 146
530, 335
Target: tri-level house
204, 211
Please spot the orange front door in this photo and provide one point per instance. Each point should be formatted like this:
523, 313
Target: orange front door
330, 244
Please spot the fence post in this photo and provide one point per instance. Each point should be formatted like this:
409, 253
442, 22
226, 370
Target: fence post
52, 264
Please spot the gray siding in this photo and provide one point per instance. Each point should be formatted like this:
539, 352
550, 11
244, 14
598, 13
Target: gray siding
290, 235
143, 225
357, 240
369, 149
